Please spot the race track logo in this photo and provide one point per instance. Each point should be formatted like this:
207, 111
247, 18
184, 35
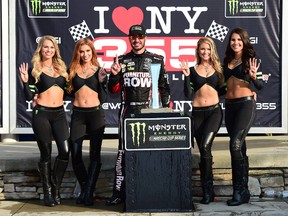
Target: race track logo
138, 130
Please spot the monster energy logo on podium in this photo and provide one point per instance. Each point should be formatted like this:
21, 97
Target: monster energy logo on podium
36, 6
137, 132
233, 6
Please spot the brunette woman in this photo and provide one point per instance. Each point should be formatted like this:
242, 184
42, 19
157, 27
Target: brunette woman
241, 69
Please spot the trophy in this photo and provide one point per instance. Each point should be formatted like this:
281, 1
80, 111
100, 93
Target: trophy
155, 104
155, 71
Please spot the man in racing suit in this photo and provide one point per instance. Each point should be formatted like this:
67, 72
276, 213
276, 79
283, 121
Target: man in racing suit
131, 75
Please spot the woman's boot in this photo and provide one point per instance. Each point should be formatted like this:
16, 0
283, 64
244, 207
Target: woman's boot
240, 193
58, 174
246, 176
206, 174
45, 173
81, 175
93, 173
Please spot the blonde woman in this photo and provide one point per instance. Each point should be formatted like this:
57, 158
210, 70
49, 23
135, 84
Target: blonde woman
203, 82
48, 82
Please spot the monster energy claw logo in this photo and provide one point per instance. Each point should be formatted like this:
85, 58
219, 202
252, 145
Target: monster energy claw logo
36, 6
136, 132
233, 6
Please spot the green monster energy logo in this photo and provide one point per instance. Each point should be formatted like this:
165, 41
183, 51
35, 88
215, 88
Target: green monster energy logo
233, 6
36, 6
136, 132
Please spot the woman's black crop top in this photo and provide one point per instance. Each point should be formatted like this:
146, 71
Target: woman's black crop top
236, 72
92, 82
194, 82
239, 74
45, 82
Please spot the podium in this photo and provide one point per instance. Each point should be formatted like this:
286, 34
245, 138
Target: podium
158, 163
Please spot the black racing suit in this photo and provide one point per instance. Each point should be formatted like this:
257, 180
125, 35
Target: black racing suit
134, 82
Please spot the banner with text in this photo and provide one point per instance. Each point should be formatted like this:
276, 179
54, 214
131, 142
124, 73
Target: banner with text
173, 29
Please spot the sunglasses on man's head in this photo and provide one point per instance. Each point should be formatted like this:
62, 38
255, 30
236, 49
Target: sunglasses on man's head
133, 37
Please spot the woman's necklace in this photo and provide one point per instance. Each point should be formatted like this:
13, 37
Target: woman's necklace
50, 68
206, 68
236, 61
84, 70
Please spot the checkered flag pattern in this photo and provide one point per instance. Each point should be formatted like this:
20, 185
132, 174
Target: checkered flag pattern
80, 31
217, 31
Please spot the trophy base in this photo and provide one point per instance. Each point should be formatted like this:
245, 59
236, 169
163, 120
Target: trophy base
158, 110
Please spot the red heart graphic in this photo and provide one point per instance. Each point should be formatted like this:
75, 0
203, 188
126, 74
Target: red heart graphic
124, 18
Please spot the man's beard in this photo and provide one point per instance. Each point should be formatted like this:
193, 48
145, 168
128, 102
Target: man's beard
137, 49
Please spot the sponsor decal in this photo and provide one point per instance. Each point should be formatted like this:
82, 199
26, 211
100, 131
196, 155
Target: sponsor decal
111, 106
143, 134
48, 8
137, 79
265, 77
138, 130
168, 138
119, 170
58, 39
245, 9
254, 40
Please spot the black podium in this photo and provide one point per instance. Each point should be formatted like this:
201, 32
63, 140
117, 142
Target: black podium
158, 163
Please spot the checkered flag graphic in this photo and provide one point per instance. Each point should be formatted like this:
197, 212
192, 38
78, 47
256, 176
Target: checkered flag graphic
217, 31
80, 31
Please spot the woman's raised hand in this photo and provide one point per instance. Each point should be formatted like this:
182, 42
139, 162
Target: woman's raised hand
253, 68
23, 68
102, 74
185, 68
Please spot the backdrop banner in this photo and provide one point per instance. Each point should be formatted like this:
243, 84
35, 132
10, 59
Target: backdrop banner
173, 29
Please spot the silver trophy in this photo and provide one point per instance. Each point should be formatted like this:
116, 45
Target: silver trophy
155, 71
155, 104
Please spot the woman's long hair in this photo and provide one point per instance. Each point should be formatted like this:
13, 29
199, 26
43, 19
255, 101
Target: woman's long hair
57, 61
215, 60
76, 59
247, 53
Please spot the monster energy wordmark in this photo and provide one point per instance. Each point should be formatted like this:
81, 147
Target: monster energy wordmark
233, 6
136, 132
36, 6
